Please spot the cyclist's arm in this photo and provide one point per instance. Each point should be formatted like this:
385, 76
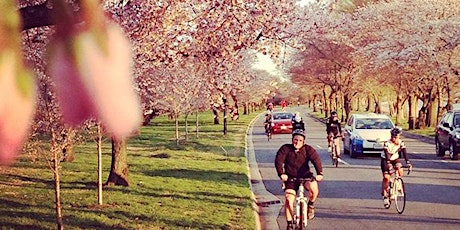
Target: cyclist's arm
386, 152
403, 151
279, 160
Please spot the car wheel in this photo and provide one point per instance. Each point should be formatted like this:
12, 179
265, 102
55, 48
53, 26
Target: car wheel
440, 152
353, 154
453, 154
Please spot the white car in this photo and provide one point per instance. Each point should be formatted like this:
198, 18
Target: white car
365, 133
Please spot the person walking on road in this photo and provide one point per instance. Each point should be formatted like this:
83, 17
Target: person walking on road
292, 161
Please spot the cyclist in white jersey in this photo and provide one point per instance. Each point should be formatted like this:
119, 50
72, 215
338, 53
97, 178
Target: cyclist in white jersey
391, 160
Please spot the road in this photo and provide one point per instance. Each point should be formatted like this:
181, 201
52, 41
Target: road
350, 194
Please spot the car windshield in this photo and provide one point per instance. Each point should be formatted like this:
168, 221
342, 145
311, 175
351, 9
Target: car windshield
282, 116
373, 123
457, 120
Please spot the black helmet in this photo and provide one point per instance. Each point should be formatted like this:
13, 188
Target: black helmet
299, 132
395, 131
333, 113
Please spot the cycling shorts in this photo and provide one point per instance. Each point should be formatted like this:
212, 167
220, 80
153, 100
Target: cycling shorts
383, 164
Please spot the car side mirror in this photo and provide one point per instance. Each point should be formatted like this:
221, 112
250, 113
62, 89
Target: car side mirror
445, 124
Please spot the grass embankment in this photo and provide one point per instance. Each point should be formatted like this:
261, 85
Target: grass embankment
200, 184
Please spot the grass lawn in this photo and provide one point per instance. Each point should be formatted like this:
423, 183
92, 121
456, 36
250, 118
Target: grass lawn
201, 183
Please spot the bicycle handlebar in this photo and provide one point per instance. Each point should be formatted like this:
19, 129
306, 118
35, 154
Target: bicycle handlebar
302, 179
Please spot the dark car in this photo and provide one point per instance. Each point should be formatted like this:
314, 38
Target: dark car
281, 122
447, 134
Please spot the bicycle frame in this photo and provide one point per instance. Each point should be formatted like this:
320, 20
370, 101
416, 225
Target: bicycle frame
300, 218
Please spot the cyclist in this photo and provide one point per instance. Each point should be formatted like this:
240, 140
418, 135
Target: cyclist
297, 122
283, 104
292, 161
333, 129
268, 117
390, 160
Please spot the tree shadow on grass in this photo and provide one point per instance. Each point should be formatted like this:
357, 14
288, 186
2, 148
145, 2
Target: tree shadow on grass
239, 179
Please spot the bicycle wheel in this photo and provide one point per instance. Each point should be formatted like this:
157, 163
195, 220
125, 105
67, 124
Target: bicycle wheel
336, 156
400, 195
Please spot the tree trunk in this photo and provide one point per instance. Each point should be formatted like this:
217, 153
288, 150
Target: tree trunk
377, 106
176, 119
119, 167
245, 108
215, 111
412, 111
99, 164
398, 109
347, 106
225, 115
432, 111
369, 102
57, 189
197, 123
186, 127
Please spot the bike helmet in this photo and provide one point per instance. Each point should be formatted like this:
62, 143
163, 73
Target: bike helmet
299, 132
333, 113
395, 131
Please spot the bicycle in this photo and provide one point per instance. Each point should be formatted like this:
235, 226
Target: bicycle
397, 191
335, 151
268, 131
300, 218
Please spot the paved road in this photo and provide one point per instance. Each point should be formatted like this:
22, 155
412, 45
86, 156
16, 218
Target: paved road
350, 195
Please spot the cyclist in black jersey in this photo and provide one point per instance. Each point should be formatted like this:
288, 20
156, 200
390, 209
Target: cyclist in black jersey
333, 129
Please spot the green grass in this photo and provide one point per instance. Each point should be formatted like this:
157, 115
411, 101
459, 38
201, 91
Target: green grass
199, 184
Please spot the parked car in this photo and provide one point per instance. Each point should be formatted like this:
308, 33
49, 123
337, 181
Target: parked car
365, 133
447, 134
281, 122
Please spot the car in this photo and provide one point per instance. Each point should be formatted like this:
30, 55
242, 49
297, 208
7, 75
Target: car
281, 122
365, 133
447, 134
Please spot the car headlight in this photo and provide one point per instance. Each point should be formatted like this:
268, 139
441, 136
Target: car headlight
358, 137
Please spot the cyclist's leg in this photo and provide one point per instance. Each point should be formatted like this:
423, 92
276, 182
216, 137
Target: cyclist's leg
398, 166
289, 204
337, 147
290, 189
313, 191
386, 177
329, 141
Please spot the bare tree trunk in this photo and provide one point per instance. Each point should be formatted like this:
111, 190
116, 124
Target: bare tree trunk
176, 117
412, 111
347, 106
99, 164
56, 151
197, 123
119, 167
186, 127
